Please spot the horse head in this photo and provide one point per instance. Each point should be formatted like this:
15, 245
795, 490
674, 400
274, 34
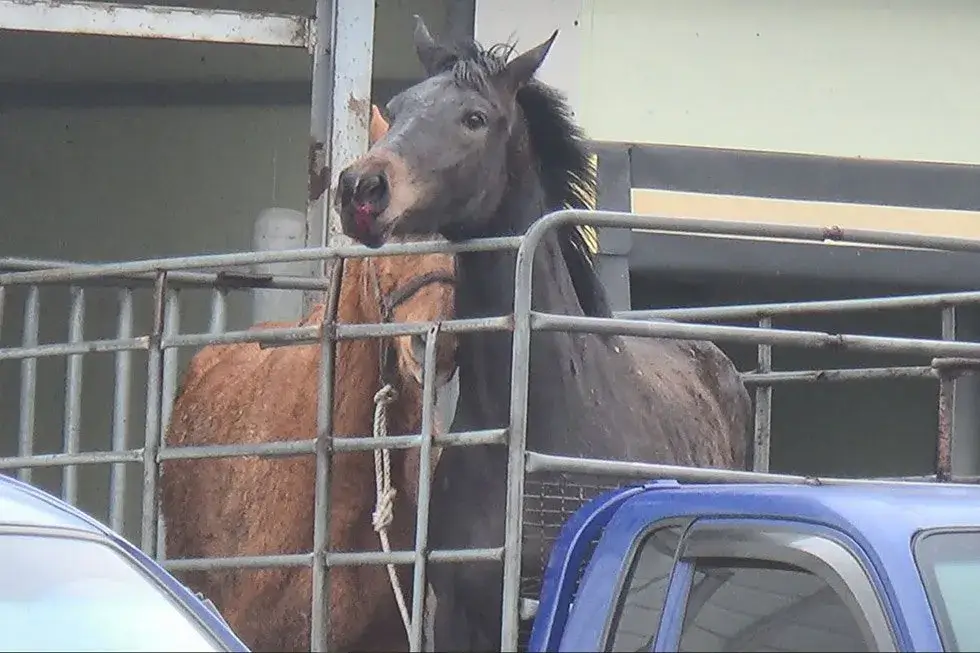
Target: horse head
413, 288
443, 166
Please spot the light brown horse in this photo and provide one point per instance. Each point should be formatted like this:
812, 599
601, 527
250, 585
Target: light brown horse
241, 393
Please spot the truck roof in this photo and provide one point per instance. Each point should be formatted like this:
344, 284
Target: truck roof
24, 505
879, 510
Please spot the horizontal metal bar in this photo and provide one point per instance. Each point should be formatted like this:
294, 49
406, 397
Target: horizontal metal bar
956, 364
154, 22
229, 280
755, 312
63, 459
84, 347
839, 375
600, 219
101, 270
333, 559
538, 462
283, 336
261, 449
311, 334
754, 335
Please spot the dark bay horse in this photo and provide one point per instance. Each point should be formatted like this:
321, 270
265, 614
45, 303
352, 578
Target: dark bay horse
481, 148
241, 393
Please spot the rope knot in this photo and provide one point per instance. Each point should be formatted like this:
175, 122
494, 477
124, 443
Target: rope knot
384, 510
385, 395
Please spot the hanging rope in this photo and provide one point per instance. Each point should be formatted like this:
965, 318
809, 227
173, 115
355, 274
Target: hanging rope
384, 506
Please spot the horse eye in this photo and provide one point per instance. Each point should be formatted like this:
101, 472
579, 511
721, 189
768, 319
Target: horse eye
475, 120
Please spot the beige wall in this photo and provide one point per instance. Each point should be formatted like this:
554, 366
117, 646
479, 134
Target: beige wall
889, 79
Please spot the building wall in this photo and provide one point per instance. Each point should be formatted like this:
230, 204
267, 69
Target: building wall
881, 79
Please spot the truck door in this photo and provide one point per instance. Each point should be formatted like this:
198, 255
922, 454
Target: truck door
748, 585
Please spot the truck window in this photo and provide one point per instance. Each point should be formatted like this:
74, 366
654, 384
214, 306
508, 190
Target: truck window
637, 615
748, 605
950, 566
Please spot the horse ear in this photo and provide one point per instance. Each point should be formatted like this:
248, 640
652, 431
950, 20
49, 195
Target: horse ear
378, 127
521, 69
433, 56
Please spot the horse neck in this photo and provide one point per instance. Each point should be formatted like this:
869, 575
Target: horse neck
357, 362
486, 287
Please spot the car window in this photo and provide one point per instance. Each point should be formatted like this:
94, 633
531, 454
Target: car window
950, 566
745, 605
634, 625
68, 594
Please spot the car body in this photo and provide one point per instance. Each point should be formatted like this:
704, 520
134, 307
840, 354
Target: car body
796, 567
69, 583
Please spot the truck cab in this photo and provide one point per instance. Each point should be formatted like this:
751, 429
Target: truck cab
863, 566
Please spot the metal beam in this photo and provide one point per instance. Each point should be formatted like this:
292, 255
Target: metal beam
340, 111
177, 93
155, 22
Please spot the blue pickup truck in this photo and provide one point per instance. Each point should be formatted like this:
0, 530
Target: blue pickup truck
888, 566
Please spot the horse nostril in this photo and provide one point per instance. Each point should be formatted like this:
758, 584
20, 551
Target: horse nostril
346, 185
373, 189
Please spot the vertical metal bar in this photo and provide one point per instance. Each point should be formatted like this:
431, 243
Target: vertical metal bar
219, 306
73, 394
3, 299
763, 407
517, 442
419, 583
120, 412
154, 400
170, 328
319, 631
169, 391
947, 384
340, 110
28, 380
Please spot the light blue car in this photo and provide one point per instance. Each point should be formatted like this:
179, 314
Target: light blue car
68, 583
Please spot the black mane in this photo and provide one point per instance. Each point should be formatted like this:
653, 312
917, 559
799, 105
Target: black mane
565, 165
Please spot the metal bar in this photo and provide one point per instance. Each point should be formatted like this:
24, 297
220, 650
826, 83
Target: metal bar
224, 280
754, 335
219, 310
61, 459
120, 412
763, 407
840, 375
154, 396
310, 334
514, 506
28, 379
171, 329
262, 450
169, 392
80, 272
319, 631
153, 22
34, 351
337, 559
73, 394
419, 582
538, 462
947, 385
340, 109
821, 307
3, 300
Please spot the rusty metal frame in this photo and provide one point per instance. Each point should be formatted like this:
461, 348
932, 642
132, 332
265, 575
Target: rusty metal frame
944, 360
150, 21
